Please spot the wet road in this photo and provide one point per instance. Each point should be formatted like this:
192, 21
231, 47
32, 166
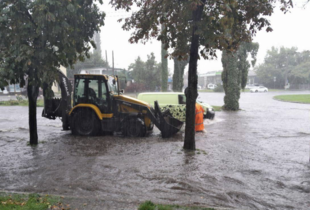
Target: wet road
257, 158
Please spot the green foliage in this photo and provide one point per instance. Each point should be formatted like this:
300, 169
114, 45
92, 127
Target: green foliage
30, 202
219, 88
93, 61
224, 23
284, 64
147, 205
36, 37
179, 66
200, 24
243, 64
235, 72
294, 98
231, 82
164, 70
19, 98
146, 74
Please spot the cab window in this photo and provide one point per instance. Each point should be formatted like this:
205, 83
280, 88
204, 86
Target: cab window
91, 91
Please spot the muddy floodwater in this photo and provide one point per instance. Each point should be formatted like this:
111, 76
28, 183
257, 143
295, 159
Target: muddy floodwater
256, 158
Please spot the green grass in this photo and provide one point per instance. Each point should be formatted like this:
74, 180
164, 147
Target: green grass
28, 202
206, 90
305, 99
217, 108
40, 103
148, 205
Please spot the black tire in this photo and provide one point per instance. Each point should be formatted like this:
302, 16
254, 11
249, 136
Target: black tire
134, 127
256, 91
150, 128
85, 123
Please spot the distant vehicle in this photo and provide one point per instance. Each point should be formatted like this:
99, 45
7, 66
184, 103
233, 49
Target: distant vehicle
175, 102
5, 91
259, 89
212, 86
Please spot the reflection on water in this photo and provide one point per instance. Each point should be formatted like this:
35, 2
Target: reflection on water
256, 158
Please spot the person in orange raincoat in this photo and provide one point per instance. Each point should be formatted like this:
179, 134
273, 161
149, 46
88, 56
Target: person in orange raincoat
199, 118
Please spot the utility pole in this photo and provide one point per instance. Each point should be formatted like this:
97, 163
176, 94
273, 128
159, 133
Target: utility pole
106, 59
113, 62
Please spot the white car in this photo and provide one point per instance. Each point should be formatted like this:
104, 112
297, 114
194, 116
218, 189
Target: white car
212, 86
259, 89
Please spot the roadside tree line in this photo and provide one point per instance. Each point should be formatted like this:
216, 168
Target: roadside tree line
38, 36
285, 67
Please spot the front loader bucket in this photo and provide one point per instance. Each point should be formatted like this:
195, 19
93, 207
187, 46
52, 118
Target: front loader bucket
167, 124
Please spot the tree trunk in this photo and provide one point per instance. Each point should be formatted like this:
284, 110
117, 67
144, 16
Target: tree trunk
189, 140
231, 83
179, 67
164, 73
33, 91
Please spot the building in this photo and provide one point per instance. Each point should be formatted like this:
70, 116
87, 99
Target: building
211, 77
215, 77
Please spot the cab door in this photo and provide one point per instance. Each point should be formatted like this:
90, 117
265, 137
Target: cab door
92, 91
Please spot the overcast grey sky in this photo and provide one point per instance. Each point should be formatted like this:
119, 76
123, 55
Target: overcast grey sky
289, 30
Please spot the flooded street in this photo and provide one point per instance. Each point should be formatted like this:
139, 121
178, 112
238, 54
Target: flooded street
256, 158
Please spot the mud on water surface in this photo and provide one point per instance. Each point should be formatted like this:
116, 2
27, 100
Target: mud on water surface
256, 158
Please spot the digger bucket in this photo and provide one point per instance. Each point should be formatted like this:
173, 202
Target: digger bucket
167, 124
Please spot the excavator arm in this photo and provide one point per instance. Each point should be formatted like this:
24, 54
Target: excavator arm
59, 107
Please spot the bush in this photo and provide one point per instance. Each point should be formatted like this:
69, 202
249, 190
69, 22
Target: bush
219, 88
11, 102
19, 98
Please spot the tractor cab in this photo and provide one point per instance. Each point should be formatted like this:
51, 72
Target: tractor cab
96, 90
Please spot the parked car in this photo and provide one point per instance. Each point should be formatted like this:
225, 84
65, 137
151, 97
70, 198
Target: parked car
259, 89
212, 86
5, 91
175, 102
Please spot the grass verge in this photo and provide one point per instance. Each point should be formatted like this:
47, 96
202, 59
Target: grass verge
148, 205
30, 202
305, 99
217, 108
40, 103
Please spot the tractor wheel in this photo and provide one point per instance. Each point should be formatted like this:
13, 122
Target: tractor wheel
85, 123
134, 127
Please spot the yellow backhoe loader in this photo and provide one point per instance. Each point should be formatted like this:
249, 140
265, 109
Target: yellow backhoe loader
100, 106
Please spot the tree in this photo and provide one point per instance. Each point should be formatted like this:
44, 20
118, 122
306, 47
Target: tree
147, 74
235, 72
38, 36
179, 63
164, 69
286, 64
210, 25
179, 66
93, 61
